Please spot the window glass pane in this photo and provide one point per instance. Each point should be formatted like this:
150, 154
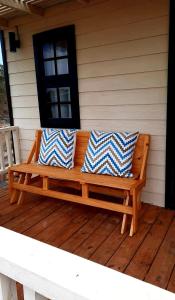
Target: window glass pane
52, 95
49, 67
53, 111
61, 48
48, 50
64, 93
62, 66
66, 111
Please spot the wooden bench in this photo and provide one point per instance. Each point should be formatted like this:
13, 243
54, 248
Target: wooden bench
128, 189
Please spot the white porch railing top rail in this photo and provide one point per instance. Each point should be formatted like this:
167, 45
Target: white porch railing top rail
56, 274
8, 128
9, 147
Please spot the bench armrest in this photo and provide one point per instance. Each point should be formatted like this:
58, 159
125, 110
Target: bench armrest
139, 184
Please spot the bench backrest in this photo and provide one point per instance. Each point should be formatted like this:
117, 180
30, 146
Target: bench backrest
139, 159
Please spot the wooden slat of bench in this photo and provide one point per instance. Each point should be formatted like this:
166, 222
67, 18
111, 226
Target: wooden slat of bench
49, 171
109, 181
75, 174
74, 198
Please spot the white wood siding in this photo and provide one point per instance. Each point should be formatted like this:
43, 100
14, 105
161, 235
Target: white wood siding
122, 69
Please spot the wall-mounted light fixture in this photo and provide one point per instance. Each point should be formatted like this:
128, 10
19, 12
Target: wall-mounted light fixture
14, 40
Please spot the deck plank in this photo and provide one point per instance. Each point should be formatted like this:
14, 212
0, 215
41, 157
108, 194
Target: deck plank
45, 223
171, 284
143, 259
71, 217
73, 226
162, 267
95, 234
85, 231
108, 248
32, 216
89, 246
10, 212
122, 257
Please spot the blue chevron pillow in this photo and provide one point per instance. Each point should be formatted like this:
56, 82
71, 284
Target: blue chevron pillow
57, 147
110, 153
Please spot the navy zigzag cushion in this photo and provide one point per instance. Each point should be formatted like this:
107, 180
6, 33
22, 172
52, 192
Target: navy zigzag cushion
57, 147
110, 153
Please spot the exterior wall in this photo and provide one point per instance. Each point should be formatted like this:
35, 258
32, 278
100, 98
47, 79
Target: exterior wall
122, 68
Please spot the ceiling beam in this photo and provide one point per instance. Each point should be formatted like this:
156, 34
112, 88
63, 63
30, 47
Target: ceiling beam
27, 8
3, 22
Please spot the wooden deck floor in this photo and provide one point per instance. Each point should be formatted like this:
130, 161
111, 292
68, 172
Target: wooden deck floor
95, 234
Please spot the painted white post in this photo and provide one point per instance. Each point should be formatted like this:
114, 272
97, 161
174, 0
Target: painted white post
9, 147
31, 295
16, 144
7, 288
2, 162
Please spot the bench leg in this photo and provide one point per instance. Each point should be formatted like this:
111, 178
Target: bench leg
21, 194
139, 204
134, 222
10, 185
15, 193
125, 216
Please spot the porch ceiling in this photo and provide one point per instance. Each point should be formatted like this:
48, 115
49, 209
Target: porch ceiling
13, 8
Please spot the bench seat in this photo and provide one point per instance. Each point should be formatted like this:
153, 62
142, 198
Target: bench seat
129, 189
75, 174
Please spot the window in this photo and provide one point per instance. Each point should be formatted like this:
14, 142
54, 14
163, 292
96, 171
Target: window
56, 72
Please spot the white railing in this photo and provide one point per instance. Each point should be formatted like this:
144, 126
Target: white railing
56, 274
9, 147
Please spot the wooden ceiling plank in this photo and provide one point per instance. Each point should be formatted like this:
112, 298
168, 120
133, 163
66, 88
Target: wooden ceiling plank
22, 6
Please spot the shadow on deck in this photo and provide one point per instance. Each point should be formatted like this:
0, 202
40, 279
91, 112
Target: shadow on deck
95, 234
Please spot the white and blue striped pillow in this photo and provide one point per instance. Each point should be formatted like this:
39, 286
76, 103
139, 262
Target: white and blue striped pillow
57, 147
110, 153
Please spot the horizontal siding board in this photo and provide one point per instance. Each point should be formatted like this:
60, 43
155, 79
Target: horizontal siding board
156, 172
134, 31
24, 101
24, 155
23, 53
153, 127
27, 134
124, 97
26, 113
26, 145
144, 46
24, 90
153, 198
27, 123
130, 112
156, 158
155, 186
154, 62
22, 78
21, 66
122, 82
158, 143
